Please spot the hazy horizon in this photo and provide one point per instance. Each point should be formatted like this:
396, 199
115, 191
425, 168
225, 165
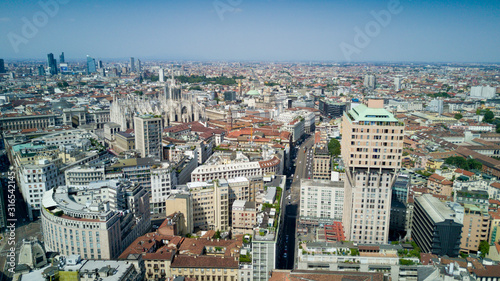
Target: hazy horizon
254, 31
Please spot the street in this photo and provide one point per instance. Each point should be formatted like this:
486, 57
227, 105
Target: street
303, 170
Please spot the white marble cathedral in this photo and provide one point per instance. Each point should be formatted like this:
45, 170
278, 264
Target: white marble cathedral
173, 106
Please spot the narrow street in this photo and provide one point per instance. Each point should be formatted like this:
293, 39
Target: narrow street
303, 170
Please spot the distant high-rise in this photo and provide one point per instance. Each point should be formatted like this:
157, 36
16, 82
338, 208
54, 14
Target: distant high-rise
2, 66
90, 65
99, 64
161, 75
61, 58
370, 81
372, 146
139, 67
397, 84
52, 63
132, 65
41, 70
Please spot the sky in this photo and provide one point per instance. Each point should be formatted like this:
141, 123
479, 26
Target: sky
257, 30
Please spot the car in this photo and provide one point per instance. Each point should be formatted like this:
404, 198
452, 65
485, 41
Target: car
284, 255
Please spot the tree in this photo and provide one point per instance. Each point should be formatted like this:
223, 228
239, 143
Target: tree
478, 111
458, 116
488, 116
484, 247
217, 234
334, 147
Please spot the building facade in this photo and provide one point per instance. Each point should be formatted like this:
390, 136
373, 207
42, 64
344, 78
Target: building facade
372, 146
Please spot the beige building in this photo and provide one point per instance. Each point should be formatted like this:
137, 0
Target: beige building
476, 228
123, 142
202, 259
244, 217
147, 129
97, 222
321, 163
181, 203
372, 146
440, 185
207, 205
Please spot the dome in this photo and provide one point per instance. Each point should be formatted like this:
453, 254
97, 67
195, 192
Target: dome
253, 93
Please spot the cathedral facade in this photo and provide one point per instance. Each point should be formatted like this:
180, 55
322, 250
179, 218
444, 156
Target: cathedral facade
173, 106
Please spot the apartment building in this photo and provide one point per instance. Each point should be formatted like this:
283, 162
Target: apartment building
217, 167
440, 185
321, 162
167, 256
321, 199
83, 175
244, 217
163, 180
435, 227
476, 226
97, 222
148, 129
372, 146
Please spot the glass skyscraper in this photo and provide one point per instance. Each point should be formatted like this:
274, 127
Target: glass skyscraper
91, 65
52, 63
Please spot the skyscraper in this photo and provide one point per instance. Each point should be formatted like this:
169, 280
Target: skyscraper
61, 58
161, 75
52, 63
397, 84
2, 66
132, 64
370, 81
139, 67
90, 65
148, 130
372, 145
41, 70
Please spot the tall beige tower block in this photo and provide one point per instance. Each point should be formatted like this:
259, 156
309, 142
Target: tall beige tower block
372, 146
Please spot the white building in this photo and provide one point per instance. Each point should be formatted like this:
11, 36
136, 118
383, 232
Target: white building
321, 199
483, 92
163, 179
97, 222
34, 180
148, 130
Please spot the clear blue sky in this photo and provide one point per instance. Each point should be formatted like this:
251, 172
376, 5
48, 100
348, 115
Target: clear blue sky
276, 30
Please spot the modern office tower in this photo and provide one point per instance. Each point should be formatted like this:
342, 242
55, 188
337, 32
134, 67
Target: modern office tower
97, 222
229, 96
148, 130
41, 70
139, 66
161, 75
132, 65
397, 84
2, 66
99, 64
480, 92
332, 109
476, 224
370, 81
321, 162
61, 58
52, 63
372, 145
90, 65
436, 228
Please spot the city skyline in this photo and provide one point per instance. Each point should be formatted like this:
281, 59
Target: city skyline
352, 31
